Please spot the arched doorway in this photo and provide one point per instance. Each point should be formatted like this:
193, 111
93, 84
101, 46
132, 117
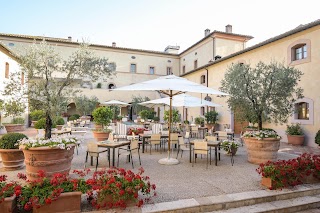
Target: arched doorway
72, 109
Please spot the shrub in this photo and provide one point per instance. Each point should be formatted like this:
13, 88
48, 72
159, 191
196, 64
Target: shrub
294, 129
77, 116
156, 118
102, 116
9, 140
99, 85
147, 114
18, 120
37, 115
41, 124
72, 118
211, 117
59, 120
199, 120
317, 138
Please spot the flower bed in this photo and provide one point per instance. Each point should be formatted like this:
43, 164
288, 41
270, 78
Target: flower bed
61, 142
261, 134
136, 131
286, 173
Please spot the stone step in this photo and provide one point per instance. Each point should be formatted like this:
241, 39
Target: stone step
236, 200
281, 206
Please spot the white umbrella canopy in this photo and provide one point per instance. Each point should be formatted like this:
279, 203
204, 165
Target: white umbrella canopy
170, 85
114, 103
182, 100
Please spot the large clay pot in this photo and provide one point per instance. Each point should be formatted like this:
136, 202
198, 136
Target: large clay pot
59, 127
266, 181
12, 159
67, 202
100, 136
8, 205
261, 151
296, 140
14, 127
50, 160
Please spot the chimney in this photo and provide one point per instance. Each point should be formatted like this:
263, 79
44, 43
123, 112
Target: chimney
229, 28
114, 44
69, 38
206, 32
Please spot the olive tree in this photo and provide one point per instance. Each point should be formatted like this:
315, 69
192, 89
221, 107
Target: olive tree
50, 78
85, 105
266, 92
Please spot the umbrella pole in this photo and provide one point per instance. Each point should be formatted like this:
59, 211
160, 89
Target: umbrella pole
170, 120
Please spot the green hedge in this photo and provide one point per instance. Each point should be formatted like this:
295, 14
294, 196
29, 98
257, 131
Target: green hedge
9, 140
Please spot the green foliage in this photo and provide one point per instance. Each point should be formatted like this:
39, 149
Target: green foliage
13, 108
99, 85
317, 138
102, 116
147, 114
135, 103
72, 118
211, 117
18, 120
229, 145
294, 129
9, 140
37, 115
156, 119
77, 116
85, 105
42, 63
186, 122
175, 116
58, 120
264, 93
199, 120
115, 112
41, 124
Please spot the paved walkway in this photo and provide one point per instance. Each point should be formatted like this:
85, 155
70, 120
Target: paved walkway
183, 181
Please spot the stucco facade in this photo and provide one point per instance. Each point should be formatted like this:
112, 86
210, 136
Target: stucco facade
277, 49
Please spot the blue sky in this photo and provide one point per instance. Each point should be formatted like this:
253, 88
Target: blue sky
152, 24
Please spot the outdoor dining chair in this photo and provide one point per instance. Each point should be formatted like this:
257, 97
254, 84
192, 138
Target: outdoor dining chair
194, 131
133, 148
187, 137
182, 146
155, 140
93, 151
222, 135
80, 136
201, 148
174, 139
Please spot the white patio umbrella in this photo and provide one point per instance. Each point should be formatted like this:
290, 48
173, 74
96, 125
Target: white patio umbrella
114, 103
182, 100
170, 85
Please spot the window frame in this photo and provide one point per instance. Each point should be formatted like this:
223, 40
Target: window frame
170, 70
154, 70
291, 52
135, 68
295, 119
195, 64
7, 70
203, 79
202, 110
183, 69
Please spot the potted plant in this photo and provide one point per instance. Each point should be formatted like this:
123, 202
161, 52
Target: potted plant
117, 187
50, 155
36, 115
317, 138
59, 121
230, 147
41, 124
211, 119
102, 116
262, 145
199, 121
58, 193
14, 108
295, 134
8, 193
12, 157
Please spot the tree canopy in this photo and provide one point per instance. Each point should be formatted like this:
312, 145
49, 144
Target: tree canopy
85, 105
51, 79
266, 92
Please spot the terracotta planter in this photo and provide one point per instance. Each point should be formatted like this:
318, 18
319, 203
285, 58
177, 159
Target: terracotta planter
59, 127
8, 205
261, 151
14, 127
50, 160
267, 182
12, 159
296, 140
67, 202
100, 136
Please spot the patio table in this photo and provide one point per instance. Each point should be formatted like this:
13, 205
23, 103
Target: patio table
60, 132
215, 144
230, 134
113, 146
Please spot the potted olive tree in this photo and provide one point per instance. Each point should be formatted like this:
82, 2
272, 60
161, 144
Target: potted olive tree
211, 119
102, 116
295, 134
264, 93
12, 157
14, 108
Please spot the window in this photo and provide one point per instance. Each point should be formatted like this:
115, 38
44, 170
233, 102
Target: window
299, 52
169, 71
195, 64
202, 111
183, 69
22, 78
133, 68
111, 86
203, 79
6, 74
303, 111
151, 70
